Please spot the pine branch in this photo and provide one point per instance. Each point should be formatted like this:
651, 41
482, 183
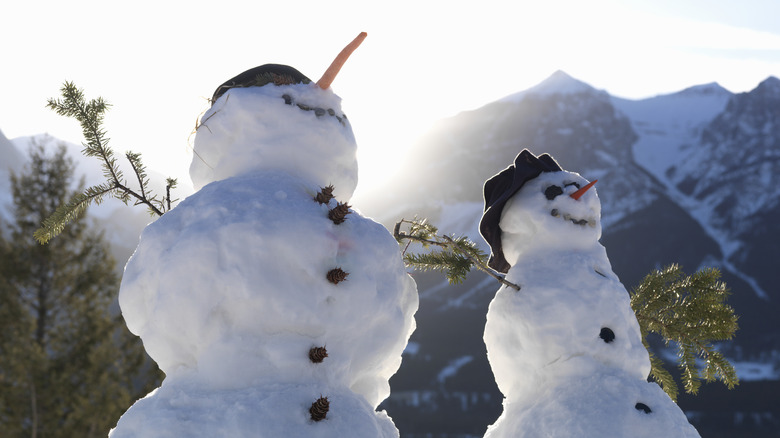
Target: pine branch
689, 311
55, 224
455, 258
170, 184
90, 116
661, 375
139, 169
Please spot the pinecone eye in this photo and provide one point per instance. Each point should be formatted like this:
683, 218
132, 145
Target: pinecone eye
572, 184
552, 191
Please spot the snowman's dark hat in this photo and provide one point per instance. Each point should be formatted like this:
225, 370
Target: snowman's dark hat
257, 77
499, 189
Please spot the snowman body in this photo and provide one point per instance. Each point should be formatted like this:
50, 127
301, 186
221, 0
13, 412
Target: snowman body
566, 349
234, 295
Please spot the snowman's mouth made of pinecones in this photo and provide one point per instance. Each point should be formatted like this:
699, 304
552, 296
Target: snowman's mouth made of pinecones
318, 111
568, 218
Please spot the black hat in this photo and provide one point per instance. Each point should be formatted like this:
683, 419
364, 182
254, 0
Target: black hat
257, 77
497, 192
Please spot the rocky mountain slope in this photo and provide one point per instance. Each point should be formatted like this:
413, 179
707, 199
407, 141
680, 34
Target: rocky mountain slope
684, 178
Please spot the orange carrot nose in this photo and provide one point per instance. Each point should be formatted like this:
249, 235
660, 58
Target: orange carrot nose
576, 195
330, 74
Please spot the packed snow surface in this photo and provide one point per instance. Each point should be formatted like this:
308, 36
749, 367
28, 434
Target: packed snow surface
265, 128
229, 291
566, 349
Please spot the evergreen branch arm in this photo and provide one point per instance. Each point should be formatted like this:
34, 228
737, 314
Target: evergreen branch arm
139, 170
170, 184
689, 311
66, 213
455, 258
480, 264
90, 115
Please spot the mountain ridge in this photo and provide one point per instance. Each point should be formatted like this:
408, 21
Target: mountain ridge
644, 153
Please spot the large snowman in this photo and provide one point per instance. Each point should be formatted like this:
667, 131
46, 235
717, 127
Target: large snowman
566, 349
274, 309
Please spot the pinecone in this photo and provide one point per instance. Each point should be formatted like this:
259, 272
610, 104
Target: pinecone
319, 409
337, 275
339, 213
318, 354
324, 195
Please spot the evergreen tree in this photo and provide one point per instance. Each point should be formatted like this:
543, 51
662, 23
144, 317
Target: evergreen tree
67, 363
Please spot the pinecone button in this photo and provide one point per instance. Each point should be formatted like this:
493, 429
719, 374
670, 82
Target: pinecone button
324, 195
339, 213
319, 409
317, 354
336, 275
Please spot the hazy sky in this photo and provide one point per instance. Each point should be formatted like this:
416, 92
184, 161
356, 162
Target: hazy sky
422, 61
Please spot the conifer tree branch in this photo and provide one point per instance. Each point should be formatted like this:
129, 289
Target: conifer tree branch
478, 263
139, 171
90, 116
455, 259
54, 224
689, 311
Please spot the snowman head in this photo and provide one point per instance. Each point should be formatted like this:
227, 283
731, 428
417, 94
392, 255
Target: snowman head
273, 117
535, 202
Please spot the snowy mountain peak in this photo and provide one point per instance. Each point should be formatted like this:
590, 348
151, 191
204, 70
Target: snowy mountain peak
770, 85
558, 83
711, 89
12, 158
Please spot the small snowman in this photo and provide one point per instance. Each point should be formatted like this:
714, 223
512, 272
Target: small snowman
273, 307
566, 349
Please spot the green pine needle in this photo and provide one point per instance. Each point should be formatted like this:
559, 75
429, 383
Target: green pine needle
90, 115
454, 266
456, 255
691, 312
66, 213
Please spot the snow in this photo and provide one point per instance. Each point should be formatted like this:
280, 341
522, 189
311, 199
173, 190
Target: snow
566, 349
12, 160
594, 405
667, 126
412, 348
252, 129
229, 290
668, 123
558, 83
756, 371
453, 367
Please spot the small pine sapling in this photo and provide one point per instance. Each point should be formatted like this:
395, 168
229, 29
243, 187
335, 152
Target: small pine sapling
689, 311
90, 115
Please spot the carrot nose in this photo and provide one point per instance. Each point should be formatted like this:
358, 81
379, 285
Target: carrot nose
330, 74
576, 195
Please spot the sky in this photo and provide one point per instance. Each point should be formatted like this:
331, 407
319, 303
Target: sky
157, 62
